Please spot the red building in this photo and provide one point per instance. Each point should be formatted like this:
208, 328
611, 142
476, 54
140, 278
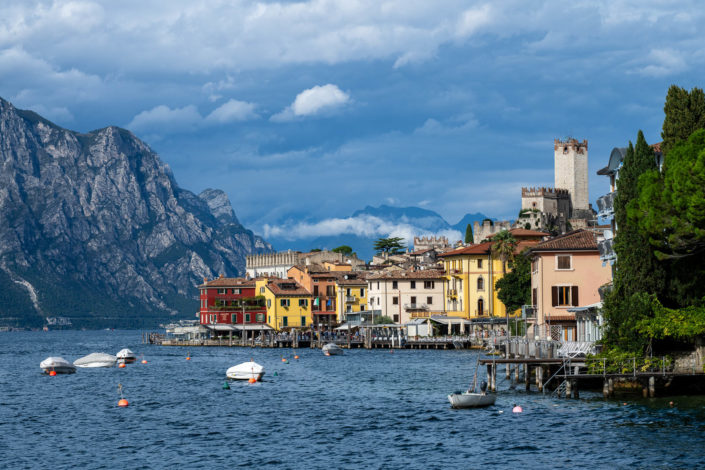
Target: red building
231, 301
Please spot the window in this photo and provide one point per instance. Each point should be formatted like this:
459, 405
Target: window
284, 302
303, 321
260, 317
535, 266
563, 262
247, 318
303, 302
429, 284
395, 285
413, 284
362, 292
236, 291
480, 307
377, 285
269, 319
535, 296
285, 321
480, 283
413, 300
348, 292
429, 300
395, 318
269, 303
362, 306
233, 318
479, 264
261, 290
222, 291
395, 300
564, 296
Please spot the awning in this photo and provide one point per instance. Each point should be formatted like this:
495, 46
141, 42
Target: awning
221, 327
445, 320
347, 326
253, 328
594, 306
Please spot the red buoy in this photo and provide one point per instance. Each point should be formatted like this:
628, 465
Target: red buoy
121, 366
252, 380
144, 361
123, 403
52, 373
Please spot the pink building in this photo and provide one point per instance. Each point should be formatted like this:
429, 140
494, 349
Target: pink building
566, 272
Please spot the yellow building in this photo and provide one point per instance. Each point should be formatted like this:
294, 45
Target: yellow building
471, 275
288, 303
351, 288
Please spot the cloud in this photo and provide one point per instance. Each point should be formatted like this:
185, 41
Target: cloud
363, 226
312, 101
663, 62
233, 110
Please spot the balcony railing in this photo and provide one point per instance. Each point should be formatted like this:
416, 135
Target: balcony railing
528, 311
606, 249
453, 292
415, 307
605, 205
350, 298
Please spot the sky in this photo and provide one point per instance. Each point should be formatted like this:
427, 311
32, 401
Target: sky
310, 110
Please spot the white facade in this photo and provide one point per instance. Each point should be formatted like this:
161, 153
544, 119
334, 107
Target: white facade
403, 299
571, 171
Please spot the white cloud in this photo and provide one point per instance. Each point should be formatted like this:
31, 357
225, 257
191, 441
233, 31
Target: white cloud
663, 62
312, 101
164, 119
233, 110
363, 226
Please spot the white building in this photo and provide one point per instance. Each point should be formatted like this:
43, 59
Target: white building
406, 295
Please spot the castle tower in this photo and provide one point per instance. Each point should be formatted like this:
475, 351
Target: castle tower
571, 171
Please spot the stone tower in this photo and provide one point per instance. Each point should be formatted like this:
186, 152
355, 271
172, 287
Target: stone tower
571, 173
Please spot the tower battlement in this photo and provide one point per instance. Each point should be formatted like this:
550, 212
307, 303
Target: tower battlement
570, 144
543, 192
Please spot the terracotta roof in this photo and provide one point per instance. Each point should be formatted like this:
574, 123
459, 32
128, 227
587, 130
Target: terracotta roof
421, 274
479, 249
577, 240
522, 232
287, 287
228, 282
420, 252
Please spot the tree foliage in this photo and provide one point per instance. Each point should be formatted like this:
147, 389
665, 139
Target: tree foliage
468, 234
503, 248
666, 323
514, 288
685, 113
383, 320
344, 249
392, 245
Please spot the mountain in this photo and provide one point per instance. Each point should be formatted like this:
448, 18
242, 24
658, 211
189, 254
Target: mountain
95, 229
363, 227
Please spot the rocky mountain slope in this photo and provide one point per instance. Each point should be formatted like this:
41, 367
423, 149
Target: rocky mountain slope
94, 227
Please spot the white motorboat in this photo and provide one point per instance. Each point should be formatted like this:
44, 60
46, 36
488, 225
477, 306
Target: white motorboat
126, 356
471, 399
332, 349
96, 360
58, 365
245, 371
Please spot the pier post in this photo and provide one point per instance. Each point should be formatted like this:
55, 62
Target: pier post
576, 394
652, 387
568, 388
610, 384
526, 376
539, 378
516, 373
644, 389
509, 369
605, 389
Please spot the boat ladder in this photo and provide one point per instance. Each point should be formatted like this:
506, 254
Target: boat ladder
559, 392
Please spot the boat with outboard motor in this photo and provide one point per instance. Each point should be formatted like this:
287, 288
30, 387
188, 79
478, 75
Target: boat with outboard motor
58, 365
125, 356
245, 371
332, 349
97, 359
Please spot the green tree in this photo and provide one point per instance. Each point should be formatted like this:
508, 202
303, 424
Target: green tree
503, 248
514, 288
392, 245
383, 320
344, 249
685, 113
468, 234
315, 250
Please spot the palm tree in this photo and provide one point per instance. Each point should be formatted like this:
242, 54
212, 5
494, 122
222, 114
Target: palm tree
503, 248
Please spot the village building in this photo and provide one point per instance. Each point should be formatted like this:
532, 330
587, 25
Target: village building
352, 294
321, 284
566, 274
225, 302
288, 303
406, 295
471, 273
278, 264
439, 244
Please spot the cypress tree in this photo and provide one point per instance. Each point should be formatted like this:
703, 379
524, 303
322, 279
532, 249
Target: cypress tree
685, 113
468, 234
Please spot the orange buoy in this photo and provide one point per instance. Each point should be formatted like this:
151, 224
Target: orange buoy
296, 357
121, 366
122, 402
188, 358
252, 380
144, 361
52, 373
283, 359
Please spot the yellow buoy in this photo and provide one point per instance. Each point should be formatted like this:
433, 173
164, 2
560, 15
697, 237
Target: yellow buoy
122, 402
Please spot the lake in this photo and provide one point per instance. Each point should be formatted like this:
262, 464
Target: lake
365, 409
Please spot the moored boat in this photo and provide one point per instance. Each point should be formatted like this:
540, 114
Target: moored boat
245, 371
471, 399
96, 360
126, 356
58, 365
332, 349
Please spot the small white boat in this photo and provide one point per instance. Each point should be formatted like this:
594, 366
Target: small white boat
96, 360
245, 371
471, 400
58, 365
332, 349
126, 356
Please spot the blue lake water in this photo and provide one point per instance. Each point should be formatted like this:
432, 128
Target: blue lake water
365, 409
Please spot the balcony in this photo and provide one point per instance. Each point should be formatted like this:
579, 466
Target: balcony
605, 205
415, 307
528, 312
452, 292
350, 299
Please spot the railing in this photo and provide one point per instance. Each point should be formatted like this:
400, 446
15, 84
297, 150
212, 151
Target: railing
528, 311
350, 298
453, 292
415, 307
606, 249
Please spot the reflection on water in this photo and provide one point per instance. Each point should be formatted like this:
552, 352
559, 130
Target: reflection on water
365, 409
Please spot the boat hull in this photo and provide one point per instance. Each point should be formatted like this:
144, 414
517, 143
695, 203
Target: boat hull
125, 356
95, 360
332, 349
58, 365
245, 371
471, 400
